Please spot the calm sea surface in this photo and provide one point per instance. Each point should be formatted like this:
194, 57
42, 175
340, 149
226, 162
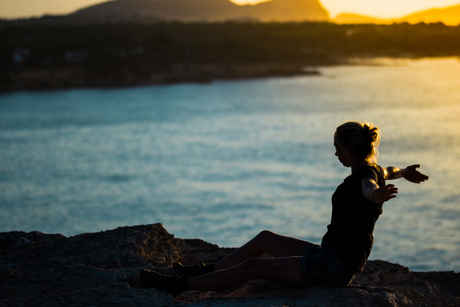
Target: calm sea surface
225, 160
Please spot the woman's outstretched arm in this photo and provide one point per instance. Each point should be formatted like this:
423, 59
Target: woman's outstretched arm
409, 173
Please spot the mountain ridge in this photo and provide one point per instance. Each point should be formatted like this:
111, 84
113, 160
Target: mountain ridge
449, 15
208, 10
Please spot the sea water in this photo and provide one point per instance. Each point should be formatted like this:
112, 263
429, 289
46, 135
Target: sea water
223, 161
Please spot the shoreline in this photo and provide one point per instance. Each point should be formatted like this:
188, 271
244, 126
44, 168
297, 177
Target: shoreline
36, 79
48, 56
65, 78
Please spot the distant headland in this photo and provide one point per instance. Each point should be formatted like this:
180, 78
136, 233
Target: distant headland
48, 55
448, 15
194, 11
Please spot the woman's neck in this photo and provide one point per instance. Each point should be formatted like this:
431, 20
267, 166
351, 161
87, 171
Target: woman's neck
355, 166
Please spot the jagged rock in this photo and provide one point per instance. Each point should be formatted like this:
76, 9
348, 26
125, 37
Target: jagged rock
102, 269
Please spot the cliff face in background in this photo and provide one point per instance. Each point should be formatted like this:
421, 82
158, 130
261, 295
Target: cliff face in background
102, 269
207, 10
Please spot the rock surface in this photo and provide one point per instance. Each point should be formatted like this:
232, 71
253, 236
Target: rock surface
102, 269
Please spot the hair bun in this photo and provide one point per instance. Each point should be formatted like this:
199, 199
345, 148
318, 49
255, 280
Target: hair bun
367, 132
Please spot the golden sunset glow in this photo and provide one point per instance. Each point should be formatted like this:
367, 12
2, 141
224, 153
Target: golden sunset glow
381, 9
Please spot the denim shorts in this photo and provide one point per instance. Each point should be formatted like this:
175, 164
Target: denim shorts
321, 267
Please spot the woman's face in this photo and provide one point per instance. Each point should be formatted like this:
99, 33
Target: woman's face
343, 154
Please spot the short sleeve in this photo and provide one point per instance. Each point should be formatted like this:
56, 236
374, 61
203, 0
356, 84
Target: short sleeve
375, 172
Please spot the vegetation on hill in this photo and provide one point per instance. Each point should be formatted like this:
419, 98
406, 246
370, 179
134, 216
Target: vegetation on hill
104, 50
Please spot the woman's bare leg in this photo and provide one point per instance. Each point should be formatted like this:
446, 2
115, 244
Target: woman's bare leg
285, 269
265, 242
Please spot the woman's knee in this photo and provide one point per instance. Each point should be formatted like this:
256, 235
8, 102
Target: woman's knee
266, 235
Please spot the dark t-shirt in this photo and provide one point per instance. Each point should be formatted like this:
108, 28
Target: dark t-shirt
353, 218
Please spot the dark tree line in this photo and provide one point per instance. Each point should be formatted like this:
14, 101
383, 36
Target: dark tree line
104, 49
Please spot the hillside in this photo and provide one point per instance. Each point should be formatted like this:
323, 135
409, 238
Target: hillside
448, 15
122, 43
132, 54
206, 10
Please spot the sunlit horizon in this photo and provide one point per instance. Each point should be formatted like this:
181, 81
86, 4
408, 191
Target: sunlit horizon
12, 9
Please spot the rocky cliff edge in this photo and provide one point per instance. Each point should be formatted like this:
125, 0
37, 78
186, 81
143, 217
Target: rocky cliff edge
102, 269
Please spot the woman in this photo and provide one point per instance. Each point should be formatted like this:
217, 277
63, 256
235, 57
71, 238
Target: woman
356, 206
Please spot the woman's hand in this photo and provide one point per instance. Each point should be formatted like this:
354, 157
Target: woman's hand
373, 192
384, 194
411, 174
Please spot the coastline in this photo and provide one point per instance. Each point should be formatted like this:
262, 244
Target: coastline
79, 77
102, 269
45, 56
74, 77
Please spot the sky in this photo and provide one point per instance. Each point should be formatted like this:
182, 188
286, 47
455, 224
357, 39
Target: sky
374, 8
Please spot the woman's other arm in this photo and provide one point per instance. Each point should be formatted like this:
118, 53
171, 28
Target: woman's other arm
373, 192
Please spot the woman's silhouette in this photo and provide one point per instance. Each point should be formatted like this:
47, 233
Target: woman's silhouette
356, 206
